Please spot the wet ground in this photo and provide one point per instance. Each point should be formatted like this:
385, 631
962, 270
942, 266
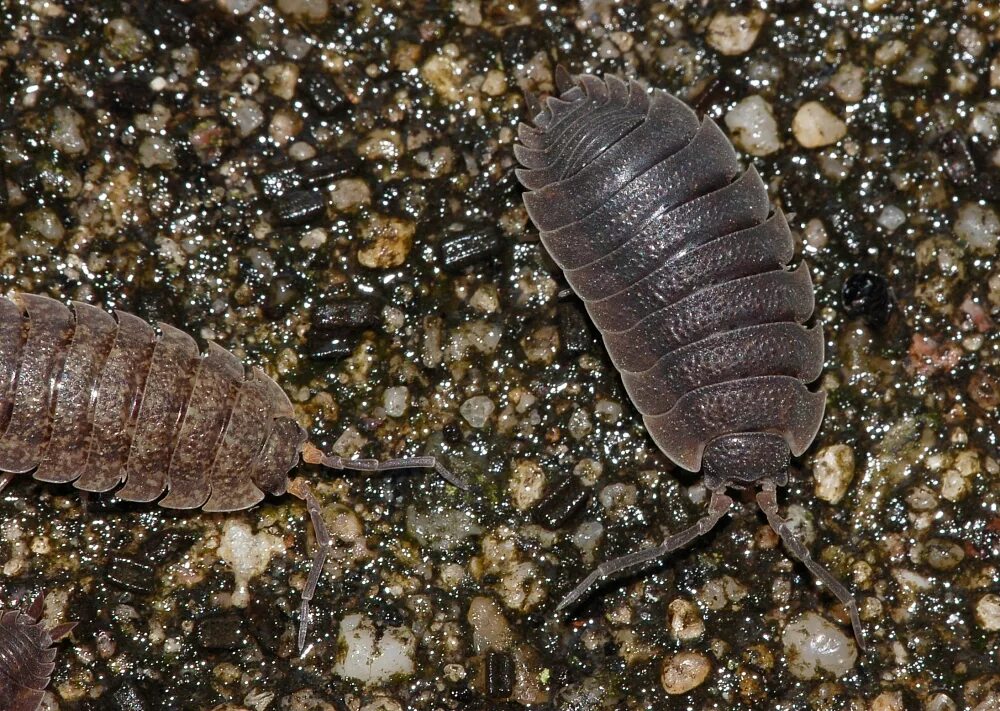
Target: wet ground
327, 189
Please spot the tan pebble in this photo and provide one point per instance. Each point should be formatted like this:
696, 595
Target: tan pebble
387, 241
815, 126
313, 10
527, 481
685, 620
849, 83
683, 672
734, 34
888, 701
753, 126
988, 612
381, 144
833, 470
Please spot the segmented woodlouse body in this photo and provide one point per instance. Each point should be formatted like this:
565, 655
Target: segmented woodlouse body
103, 401
681, 264
27, 656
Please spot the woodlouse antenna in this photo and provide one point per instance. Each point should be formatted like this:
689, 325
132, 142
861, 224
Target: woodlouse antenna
300, 489
717, 508
314, 455
768, 501
311, 454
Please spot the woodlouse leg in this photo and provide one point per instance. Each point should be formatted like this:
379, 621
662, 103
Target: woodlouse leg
717, 508
768, 501
300, 489
5, 479
313, 455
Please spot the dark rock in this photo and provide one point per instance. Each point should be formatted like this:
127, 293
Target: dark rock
466, 248
223, 632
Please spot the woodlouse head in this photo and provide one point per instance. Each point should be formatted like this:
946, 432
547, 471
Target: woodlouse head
739, 459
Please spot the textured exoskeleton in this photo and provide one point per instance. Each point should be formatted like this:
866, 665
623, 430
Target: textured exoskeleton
104, 401
681, 264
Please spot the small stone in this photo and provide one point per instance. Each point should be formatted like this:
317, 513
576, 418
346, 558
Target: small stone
156, 151
248, 554
888, 701
313, 10
381, 144
685, 620
444, 76
753, 127
526, 484
396, 401
734, 34
371, 656
65, 135
477, 410
387, 242
683, 672
849, 83
891, 218
941, 554
815, 126
350, 194
245, 115
833, 470
816, 647
541, 345
988, 612
979, 227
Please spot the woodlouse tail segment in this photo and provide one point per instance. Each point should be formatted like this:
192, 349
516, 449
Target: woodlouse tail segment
768, 501
313, 455
300, 489
717, 508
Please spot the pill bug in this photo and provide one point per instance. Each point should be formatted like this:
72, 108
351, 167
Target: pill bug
681, 264
27, 656
104, 402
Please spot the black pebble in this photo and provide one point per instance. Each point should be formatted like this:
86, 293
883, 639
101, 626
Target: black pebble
869, 296
466, 248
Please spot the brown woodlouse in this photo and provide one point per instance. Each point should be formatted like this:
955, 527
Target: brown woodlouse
681, 264
27, 657
102, 401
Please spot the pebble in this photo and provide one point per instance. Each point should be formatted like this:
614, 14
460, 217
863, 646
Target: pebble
526, 484
65, 136
753, 127
371, 656
441, 530
816, 647
396, 401
849, 83
248, 554
891, 218
541, 345
734, 34
684, 619
684, 671
312, 10
988, 612
387, 242
477, 410
833, 470
979, 227
350, 194
814, 126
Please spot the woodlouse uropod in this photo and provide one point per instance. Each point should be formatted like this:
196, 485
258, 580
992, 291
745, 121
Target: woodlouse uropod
102, 401
27, 656
682, 267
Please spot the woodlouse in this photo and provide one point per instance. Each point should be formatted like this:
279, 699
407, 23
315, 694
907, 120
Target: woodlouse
681, 264
102, 401
27, 656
